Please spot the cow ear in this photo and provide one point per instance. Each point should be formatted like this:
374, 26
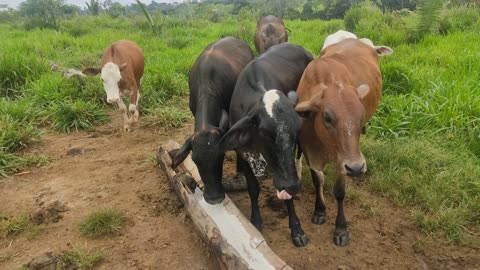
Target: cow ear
182, 153
304, 109
123, 66
223, 126
238, 135
263, 35
363, 90
91, 71
383, 50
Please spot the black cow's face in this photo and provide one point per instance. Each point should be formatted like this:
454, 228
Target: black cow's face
208, 157
209, 160
271, 129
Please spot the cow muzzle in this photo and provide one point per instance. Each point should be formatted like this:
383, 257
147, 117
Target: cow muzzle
213, 198
286, 193
355, 169
113, 99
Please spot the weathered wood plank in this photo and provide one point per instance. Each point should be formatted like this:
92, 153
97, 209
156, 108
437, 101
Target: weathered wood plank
235, 242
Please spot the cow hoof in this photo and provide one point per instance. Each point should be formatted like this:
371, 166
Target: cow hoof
341, 238
318, 218
300, 239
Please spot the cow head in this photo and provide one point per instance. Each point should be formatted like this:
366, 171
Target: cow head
338, 116
111, 78
208, 158
273, 35
271, 128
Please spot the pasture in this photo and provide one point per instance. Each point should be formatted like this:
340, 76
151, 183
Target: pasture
418, 205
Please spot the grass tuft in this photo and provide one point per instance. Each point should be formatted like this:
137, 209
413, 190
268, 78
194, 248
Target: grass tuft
78, 258
14, 226
102, 223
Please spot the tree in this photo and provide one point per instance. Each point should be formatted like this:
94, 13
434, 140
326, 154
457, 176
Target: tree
93, 7
45, 13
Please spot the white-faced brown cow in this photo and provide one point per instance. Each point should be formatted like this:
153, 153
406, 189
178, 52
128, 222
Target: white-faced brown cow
121, 71
338, 94
270, 31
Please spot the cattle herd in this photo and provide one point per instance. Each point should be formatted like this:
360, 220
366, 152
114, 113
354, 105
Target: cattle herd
265, 109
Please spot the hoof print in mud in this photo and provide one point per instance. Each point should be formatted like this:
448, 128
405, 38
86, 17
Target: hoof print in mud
318, 218
300, 239
341, 238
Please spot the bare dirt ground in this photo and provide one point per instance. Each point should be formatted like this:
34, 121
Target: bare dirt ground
110, 168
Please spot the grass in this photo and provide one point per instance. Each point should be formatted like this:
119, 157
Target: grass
102, 223
439, 180
13, 226
11, 163
78, 258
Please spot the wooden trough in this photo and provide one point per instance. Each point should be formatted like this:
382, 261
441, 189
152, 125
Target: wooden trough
235, 242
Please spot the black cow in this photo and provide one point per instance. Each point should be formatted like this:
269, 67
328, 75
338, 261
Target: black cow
263, 121
212, 80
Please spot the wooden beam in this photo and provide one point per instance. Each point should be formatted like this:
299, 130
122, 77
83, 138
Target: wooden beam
235, 242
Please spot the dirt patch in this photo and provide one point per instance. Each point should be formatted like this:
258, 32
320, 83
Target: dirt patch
108, 168
105, 168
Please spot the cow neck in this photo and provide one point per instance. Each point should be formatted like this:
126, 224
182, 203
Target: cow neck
207, 116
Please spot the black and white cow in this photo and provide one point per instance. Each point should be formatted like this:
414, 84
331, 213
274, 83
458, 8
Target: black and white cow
264, 125
212, 80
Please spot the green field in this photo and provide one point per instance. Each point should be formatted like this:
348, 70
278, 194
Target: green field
422, 146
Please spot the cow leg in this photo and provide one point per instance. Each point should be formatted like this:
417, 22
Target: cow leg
299, 238
133, 105
340, 237
126, 119
298, 162
318, 179
253, 191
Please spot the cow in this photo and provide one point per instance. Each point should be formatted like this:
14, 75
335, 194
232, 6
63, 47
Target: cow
270, 31
212, 80
338, 94
264, 126
121, 71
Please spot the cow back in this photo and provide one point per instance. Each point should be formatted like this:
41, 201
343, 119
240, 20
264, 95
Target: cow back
126, 51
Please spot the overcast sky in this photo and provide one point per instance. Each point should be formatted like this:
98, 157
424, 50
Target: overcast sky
81, 3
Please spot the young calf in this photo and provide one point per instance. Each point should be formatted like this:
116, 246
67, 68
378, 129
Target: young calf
264, 126
212, 80
270, 31
338, 94
121, 71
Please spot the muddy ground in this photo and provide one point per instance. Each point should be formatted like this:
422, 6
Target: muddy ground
107, 168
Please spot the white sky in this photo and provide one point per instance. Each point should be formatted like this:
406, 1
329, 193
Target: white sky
81, 3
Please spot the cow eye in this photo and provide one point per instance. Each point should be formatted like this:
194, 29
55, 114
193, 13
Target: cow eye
264, 133
328, 119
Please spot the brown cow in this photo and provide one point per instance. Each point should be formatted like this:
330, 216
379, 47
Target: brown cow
270, 31
338, 94
121, 71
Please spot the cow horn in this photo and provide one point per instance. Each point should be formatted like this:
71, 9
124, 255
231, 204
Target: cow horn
292, 95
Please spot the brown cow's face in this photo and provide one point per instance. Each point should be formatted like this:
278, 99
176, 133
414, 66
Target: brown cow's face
339, 115
274, 38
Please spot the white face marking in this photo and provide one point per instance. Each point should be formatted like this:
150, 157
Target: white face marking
110, 77
349, 127
269, 99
